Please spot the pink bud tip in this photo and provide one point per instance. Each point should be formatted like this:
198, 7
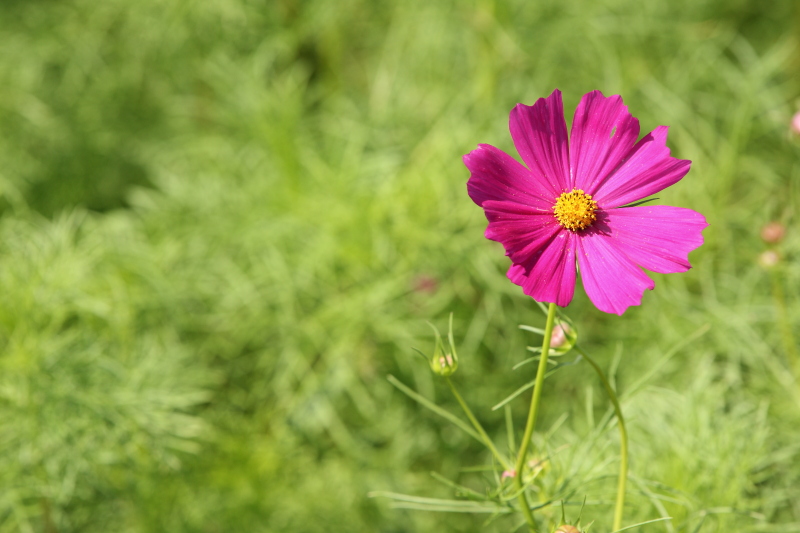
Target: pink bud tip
796, 123
773, 233
508, 473
559, 336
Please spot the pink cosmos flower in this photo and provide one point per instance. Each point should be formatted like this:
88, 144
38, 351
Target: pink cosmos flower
568, 204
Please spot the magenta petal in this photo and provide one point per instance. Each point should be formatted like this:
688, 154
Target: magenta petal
521, 229
549, 274
658, 237
647, 169
611, 280
495, 175
540, 136
603, 133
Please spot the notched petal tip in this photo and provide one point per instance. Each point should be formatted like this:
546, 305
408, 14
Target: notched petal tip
647, 169
611, 280
603, 133
656, 237
539, 133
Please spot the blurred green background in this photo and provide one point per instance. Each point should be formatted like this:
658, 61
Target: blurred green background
223, 223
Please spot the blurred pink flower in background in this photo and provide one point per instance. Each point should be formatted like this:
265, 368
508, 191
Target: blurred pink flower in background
769, 259
773, 232
796, 123
425, 284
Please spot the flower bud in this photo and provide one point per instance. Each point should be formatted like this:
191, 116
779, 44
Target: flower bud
567, 528
563, 338
769, 259
445, 360
796, 123
773, 233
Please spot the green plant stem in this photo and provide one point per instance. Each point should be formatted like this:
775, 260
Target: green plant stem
532, 414
623, 436
477, 425
783, 319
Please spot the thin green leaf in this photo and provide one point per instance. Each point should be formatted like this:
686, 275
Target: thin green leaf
643, 523
435, 408
406, 501
531, 383
510, 428
533, 329
640, 202
466, 491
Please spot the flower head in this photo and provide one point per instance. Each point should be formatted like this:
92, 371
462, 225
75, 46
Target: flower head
568, 204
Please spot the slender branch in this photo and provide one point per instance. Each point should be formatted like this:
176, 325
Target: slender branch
532, 414
786, 327
477, 425
623, 435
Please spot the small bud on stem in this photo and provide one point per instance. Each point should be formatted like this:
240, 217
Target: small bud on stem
445, 360
773, 233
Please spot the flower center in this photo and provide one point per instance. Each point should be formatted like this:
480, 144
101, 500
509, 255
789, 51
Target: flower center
575, 210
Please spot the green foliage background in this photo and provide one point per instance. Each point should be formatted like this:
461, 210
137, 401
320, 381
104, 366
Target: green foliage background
225, 222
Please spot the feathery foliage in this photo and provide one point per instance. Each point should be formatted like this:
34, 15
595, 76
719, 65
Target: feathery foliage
224, 223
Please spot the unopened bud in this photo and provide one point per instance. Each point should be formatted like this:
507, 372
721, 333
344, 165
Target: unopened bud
796, 123
769, 259
773, 233
567, 528
563, 338
445, 360
508, 473
559, 336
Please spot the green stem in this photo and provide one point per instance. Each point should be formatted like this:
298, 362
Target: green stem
623, 436
532, 414
785, 325
477, 425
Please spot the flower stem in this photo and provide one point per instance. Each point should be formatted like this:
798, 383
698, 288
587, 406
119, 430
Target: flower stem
532, 414
477, 425
785, 325
623, 436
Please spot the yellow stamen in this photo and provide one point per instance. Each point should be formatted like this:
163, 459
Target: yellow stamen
575, 210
